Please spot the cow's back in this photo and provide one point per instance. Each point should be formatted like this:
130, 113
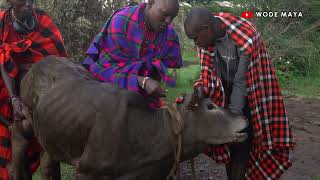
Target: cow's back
66, 101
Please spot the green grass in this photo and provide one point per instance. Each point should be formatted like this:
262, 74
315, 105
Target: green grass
185, 80
307, 87
190, 56
316, 178
67, 172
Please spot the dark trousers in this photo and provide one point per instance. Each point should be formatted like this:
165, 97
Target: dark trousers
239, 154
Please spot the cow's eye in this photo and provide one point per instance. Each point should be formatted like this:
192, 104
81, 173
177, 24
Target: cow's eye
211, 106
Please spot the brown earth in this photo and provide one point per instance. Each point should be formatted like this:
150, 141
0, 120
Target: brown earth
304, 115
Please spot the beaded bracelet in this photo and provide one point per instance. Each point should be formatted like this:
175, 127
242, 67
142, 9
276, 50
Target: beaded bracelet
143, 84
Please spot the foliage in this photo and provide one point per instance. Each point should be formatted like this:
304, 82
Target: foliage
293, 40
178, 22
293, 43
79, 21
3, 4
196, 2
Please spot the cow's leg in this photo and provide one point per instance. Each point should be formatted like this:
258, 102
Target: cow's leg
157, 171
82, 176
19, 168
50, 169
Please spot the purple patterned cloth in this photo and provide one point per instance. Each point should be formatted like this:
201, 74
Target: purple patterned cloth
122, 50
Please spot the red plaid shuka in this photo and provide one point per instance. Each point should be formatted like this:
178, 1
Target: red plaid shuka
269, 156
14, 50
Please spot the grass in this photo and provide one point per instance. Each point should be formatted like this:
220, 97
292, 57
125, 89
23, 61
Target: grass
190, 56
306, 87
67, 173
186, 77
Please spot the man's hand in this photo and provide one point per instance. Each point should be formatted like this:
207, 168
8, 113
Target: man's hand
153, 88
20, 110
195, 99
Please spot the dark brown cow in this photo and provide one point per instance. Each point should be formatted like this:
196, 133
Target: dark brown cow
108, 133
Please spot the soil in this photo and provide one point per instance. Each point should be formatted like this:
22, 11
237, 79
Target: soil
304, 116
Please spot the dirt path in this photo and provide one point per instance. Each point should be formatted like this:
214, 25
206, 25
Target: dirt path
304, 117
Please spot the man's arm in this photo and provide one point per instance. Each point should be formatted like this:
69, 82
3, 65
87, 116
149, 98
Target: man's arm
239, 90
19, 108
8, 81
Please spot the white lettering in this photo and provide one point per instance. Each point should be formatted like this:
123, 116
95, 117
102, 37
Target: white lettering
294, 14
284, 14
266, 14
258, 14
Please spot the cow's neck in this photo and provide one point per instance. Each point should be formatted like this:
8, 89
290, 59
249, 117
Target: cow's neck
151, 137
191, 146
189, 139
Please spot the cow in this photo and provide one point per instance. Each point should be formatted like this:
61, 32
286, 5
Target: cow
106, 132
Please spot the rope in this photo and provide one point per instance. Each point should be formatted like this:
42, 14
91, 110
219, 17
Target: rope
177, 126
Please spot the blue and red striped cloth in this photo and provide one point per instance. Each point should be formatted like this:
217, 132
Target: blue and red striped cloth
125, 48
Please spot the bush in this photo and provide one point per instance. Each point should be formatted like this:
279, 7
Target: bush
78, 20
293, 40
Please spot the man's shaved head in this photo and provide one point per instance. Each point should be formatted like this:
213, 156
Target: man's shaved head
160, 13
201, 26
198, 17
167, 3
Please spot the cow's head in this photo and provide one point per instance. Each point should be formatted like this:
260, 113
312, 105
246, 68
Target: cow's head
212, 124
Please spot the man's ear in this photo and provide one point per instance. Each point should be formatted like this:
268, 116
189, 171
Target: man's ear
204, 27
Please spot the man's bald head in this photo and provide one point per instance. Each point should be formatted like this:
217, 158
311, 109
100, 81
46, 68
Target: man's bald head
201, 26
198, 17
166, 3
160, 13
